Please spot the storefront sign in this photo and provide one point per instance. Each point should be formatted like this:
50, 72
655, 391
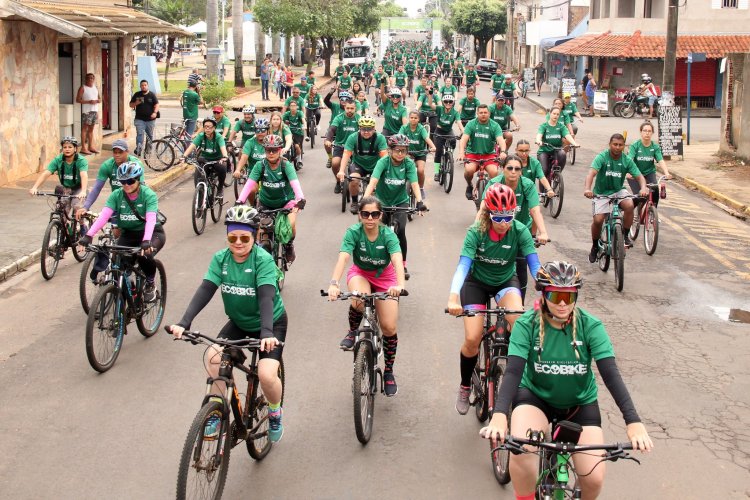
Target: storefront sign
670, 130
569, 86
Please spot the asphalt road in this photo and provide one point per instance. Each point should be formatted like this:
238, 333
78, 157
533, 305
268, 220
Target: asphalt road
71, 433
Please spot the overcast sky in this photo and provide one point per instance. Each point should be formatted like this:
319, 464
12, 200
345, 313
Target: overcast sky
412, 5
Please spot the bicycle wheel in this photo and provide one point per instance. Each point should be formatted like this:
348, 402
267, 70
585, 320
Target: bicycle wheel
231, 164
556, 203
479, 383
87, 287
618, 255
481, 183
573, 156
105, 328
500, 458
52, 248
199, 209
259, 446
239, 184
617, 109
311, 132
216, 202
159, 156
205, 460
345, 196
152, 313
448, 173
363, 392
651, 230
79, 253
636, 226
412, 204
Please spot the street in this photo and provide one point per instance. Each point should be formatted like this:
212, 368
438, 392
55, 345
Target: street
72, 433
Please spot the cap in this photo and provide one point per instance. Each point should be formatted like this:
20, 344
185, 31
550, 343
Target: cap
121, 144
566, 95
218, 109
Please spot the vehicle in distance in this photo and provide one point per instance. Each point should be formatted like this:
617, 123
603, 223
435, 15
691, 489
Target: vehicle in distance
486, 68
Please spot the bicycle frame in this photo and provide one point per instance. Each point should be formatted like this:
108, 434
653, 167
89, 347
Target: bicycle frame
611, 220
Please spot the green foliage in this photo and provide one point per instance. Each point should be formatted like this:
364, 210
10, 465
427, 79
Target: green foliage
216, 92
389, 8
173, 11
482, 18
366, 16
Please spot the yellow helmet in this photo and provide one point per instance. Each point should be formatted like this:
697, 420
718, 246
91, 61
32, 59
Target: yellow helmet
366, 122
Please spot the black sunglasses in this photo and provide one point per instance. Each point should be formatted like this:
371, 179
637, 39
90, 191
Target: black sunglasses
365, 214
128, 182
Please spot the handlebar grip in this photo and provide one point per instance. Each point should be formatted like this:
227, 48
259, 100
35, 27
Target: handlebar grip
323, 293
404, 293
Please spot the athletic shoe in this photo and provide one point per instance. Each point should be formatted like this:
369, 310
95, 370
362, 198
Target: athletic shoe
469, 193
437, 177
337, 188
211, 429
626, 239
594, 253
391, 388
149, 291
275, 427
462, 400
354, 209
347, 343
289, 252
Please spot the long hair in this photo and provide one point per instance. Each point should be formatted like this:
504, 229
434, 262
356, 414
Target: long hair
574, 343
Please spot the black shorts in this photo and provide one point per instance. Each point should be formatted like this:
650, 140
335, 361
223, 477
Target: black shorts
420, 157
338, 151
582, 415
298, 139
474, 291
356, 169
234, 332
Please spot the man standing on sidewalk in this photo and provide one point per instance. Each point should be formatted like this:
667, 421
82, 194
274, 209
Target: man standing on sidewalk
146, 106
88, 98
189, 100
264, 75
540, 75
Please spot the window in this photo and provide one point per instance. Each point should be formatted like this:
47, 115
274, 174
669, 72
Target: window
729, 4
626, 8
654, 9
355, 52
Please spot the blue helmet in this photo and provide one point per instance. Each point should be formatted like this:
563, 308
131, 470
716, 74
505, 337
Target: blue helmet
345, 95
129, 170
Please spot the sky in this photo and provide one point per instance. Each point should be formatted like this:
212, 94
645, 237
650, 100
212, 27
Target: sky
412, 6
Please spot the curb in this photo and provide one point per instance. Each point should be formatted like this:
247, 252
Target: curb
726, 200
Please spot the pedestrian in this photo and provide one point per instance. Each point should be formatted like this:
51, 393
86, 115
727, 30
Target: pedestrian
264, 75
540, 75
196, 78
88, 98
567, 72
189, 100
146, 106
288, 81
277, 78
590, 89
203, 51
584, 81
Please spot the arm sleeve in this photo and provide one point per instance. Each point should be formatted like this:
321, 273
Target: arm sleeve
249, 186
266, 294
148, 231
93, 194
532, 260
331, 133
509, 385
200, 299
297, 187
613, 380
100, 222
327, 100
462, 270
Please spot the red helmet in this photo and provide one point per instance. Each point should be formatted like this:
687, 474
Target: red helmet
500, 198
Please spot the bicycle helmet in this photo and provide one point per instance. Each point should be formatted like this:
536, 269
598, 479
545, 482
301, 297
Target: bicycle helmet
560, 274
262, 124
500, 198
129, 170
249, 109
395, 92
273, 141
398, 140
508, 76
366, 121
69, 139
303, 78
209, 119
449, 98
344, 96
242, 214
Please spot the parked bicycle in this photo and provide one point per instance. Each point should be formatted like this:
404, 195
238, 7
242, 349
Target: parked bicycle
612, 240
62, 232
178, 141
204, 462
120, 301
648, 216
268, 239
158, 154
205, 199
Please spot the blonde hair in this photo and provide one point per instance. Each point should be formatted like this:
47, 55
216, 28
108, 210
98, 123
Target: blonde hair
484, 219
574, 343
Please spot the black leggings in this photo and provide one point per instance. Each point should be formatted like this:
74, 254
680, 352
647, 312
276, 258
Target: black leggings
440, 139
233, 332
546, 160
635, 188
219, 168
134, 239
400, 217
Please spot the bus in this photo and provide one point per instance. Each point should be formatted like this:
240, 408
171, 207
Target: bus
357, 50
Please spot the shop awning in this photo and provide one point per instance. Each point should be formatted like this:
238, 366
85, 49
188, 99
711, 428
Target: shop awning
638, 46
553, 41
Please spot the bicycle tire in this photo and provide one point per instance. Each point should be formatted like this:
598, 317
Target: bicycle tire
448, 174
479, 383
78, 255
239, 185
258, 412
558, 186
412, 204
481, 184
101, 327
160, 156
231, 164
363, 392
604, 257
651, 230
50, 257
152, 313
618, 248
636, 226
617, 109
573, 156
216, 203
86, 288
198, 209
195, 449
345, 196
500, 458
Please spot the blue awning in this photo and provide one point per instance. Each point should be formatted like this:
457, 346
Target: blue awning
553, 41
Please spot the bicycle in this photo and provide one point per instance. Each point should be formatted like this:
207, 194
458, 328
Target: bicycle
346, 197
391, 221
204, 199
233, 153
267, 238
158, 155
312, 127
558, 478
556, 182
207, 458
648, 217
368, 349
447, 162
488, 373
481, 177
178, 140
62, 232
87, 285
410, 84
612, 241
571, 152
120, 301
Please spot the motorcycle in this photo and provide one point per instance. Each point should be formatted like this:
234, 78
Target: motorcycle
633, 104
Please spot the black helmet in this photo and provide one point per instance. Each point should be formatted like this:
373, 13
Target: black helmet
558, 273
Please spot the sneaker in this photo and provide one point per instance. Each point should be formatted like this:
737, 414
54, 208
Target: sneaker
354, 208
289, 252
469, 193
627, 240
347, 343
391, 388
211, 429
275, 427
328, 163
594, 253
149, 291
337, 188
406, 273
437, 177
462, 400
424, 195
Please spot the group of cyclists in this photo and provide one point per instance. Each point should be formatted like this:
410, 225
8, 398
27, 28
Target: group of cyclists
552, 346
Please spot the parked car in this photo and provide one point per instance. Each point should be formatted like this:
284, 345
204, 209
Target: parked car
486, 68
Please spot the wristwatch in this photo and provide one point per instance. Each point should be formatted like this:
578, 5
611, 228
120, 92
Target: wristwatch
334, 282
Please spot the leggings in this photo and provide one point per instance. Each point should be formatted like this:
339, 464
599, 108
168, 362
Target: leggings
220, 169
400, 217
545, 158
134, 239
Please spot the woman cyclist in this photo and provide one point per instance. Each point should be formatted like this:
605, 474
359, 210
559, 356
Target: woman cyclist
137, 207
549, 376
532, 169
647, 156
419, 141
487, 269
549, 136
565, 118
312, 103
395, 171
446, 117
278, 127
246, 126
212, 148
252, 152
72, 170
281, 187
378, 267
363, 103
253, 304
294, 118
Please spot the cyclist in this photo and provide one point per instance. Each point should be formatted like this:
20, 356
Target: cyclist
295, 120
336, 108
420, 89
609, 169
532, 169
345, 81
399, 80
410, 68
378, 267
296, 96
472, 77
550, 135
356, 72
457, 75
362, 103
565, 119
341, 127
478, 142
396, 171
340, 70
647, 156
380, 79
253, 152
548, 376
509, 89
446, 116
223, 125
246, 126
281, 187
570, 110
361, 152
503, 114
311, 78
419, 141
137, 207
448, 89
212, 148
426, 115
486, 270
496, 81
304, 87
246, 275
396, 114
312, 105
367, 70
72, 170
467, 106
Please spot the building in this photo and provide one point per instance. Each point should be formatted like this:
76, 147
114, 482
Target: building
48, 48
735, 126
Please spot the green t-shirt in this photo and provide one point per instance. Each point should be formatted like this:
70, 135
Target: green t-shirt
610, 173
445, 119
497, 82
294, 121
360, 149
410, 69
448, 90
344, 126
254, 151
300, 102
336, 110
190, 102
239, 284
312, 102
645, 157
508, 88
340, 70
533, 170
430, 67
363, 106
223, 124
388, 68
424, 102
276, 183
555, 375
247, 129
281, 133
527, 197
356, 71
126, 219
570, 110
393, 116
303, 89
482, 136
108, 172
552, 135
392, 179
564, 119
69, 173
311, 81
495, 261
381, 79
471, 77
370, 255
400, 78
345, 82
501, 114
210, 148
469, 108
417, 142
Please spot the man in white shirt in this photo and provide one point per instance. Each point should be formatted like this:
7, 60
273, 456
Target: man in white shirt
88, 98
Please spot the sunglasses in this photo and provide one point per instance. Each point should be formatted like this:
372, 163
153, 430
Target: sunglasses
272, 150
367, 130
514, 169
501, 217
365, 214
556, 297
217, 112
232, 238
128, 182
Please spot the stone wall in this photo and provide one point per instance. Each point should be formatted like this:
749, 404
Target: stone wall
735, 125
29, 99
126, 64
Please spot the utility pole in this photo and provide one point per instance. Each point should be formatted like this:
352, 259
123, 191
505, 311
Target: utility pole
510, 36
670, 58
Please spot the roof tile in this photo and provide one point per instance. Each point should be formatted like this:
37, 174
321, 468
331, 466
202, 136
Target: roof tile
638, 45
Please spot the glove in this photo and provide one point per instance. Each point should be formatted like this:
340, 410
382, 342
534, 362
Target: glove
421, 206
85, 240
146, 245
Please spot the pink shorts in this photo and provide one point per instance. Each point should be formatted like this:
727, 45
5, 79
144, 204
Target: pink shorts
381, 283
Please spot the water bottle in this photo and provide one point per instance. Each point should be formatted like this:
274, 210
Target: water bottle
662, 191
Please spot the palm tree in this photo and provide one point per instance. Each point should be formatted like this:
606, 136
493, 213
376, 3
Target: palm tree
237, 40
212, 37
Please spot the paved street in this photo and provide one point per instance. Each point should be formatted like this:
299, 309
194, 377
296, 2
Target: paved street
71, 433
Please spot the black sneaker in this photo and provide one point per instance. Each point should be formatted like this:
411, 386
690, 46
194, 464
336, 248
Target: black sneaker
354, 209
337, 188
391, 388
627, 240
149, 291
594, 253
437, 177
406, 273
347, 343
289, 252
469, 193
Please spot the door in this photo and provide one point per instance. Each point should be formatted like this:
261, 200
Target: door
106, 87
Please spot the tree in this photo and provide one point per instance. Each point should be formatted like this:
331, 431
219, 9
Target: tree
212, 37
173, 12
390, 9
237, 41
367, 16
481, 18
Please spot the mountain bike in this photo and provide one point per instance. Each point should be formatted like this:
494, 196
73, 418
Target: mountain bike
648, 217
612, 241
204, 461
488, 373
169, 148
312, 124
558, 477
205, 199
346, 196
556, 182
481, 177
391, 221
233, 154
90, 281
120, 301
447, 162
267, 238
158, 154
62, 232
368, 348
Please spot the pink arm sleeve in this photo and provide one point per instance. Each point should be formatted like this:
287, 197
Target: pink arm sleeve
298, 195
148, 231
249, 186
100, 222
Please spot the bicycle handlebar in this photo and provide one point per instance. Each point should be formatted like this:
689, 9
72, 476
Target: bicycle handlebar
556, 148
500, 311
364, 296
615, 451
615, 197
269, 211
408, 210
56, 195
113, 248
196, 338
